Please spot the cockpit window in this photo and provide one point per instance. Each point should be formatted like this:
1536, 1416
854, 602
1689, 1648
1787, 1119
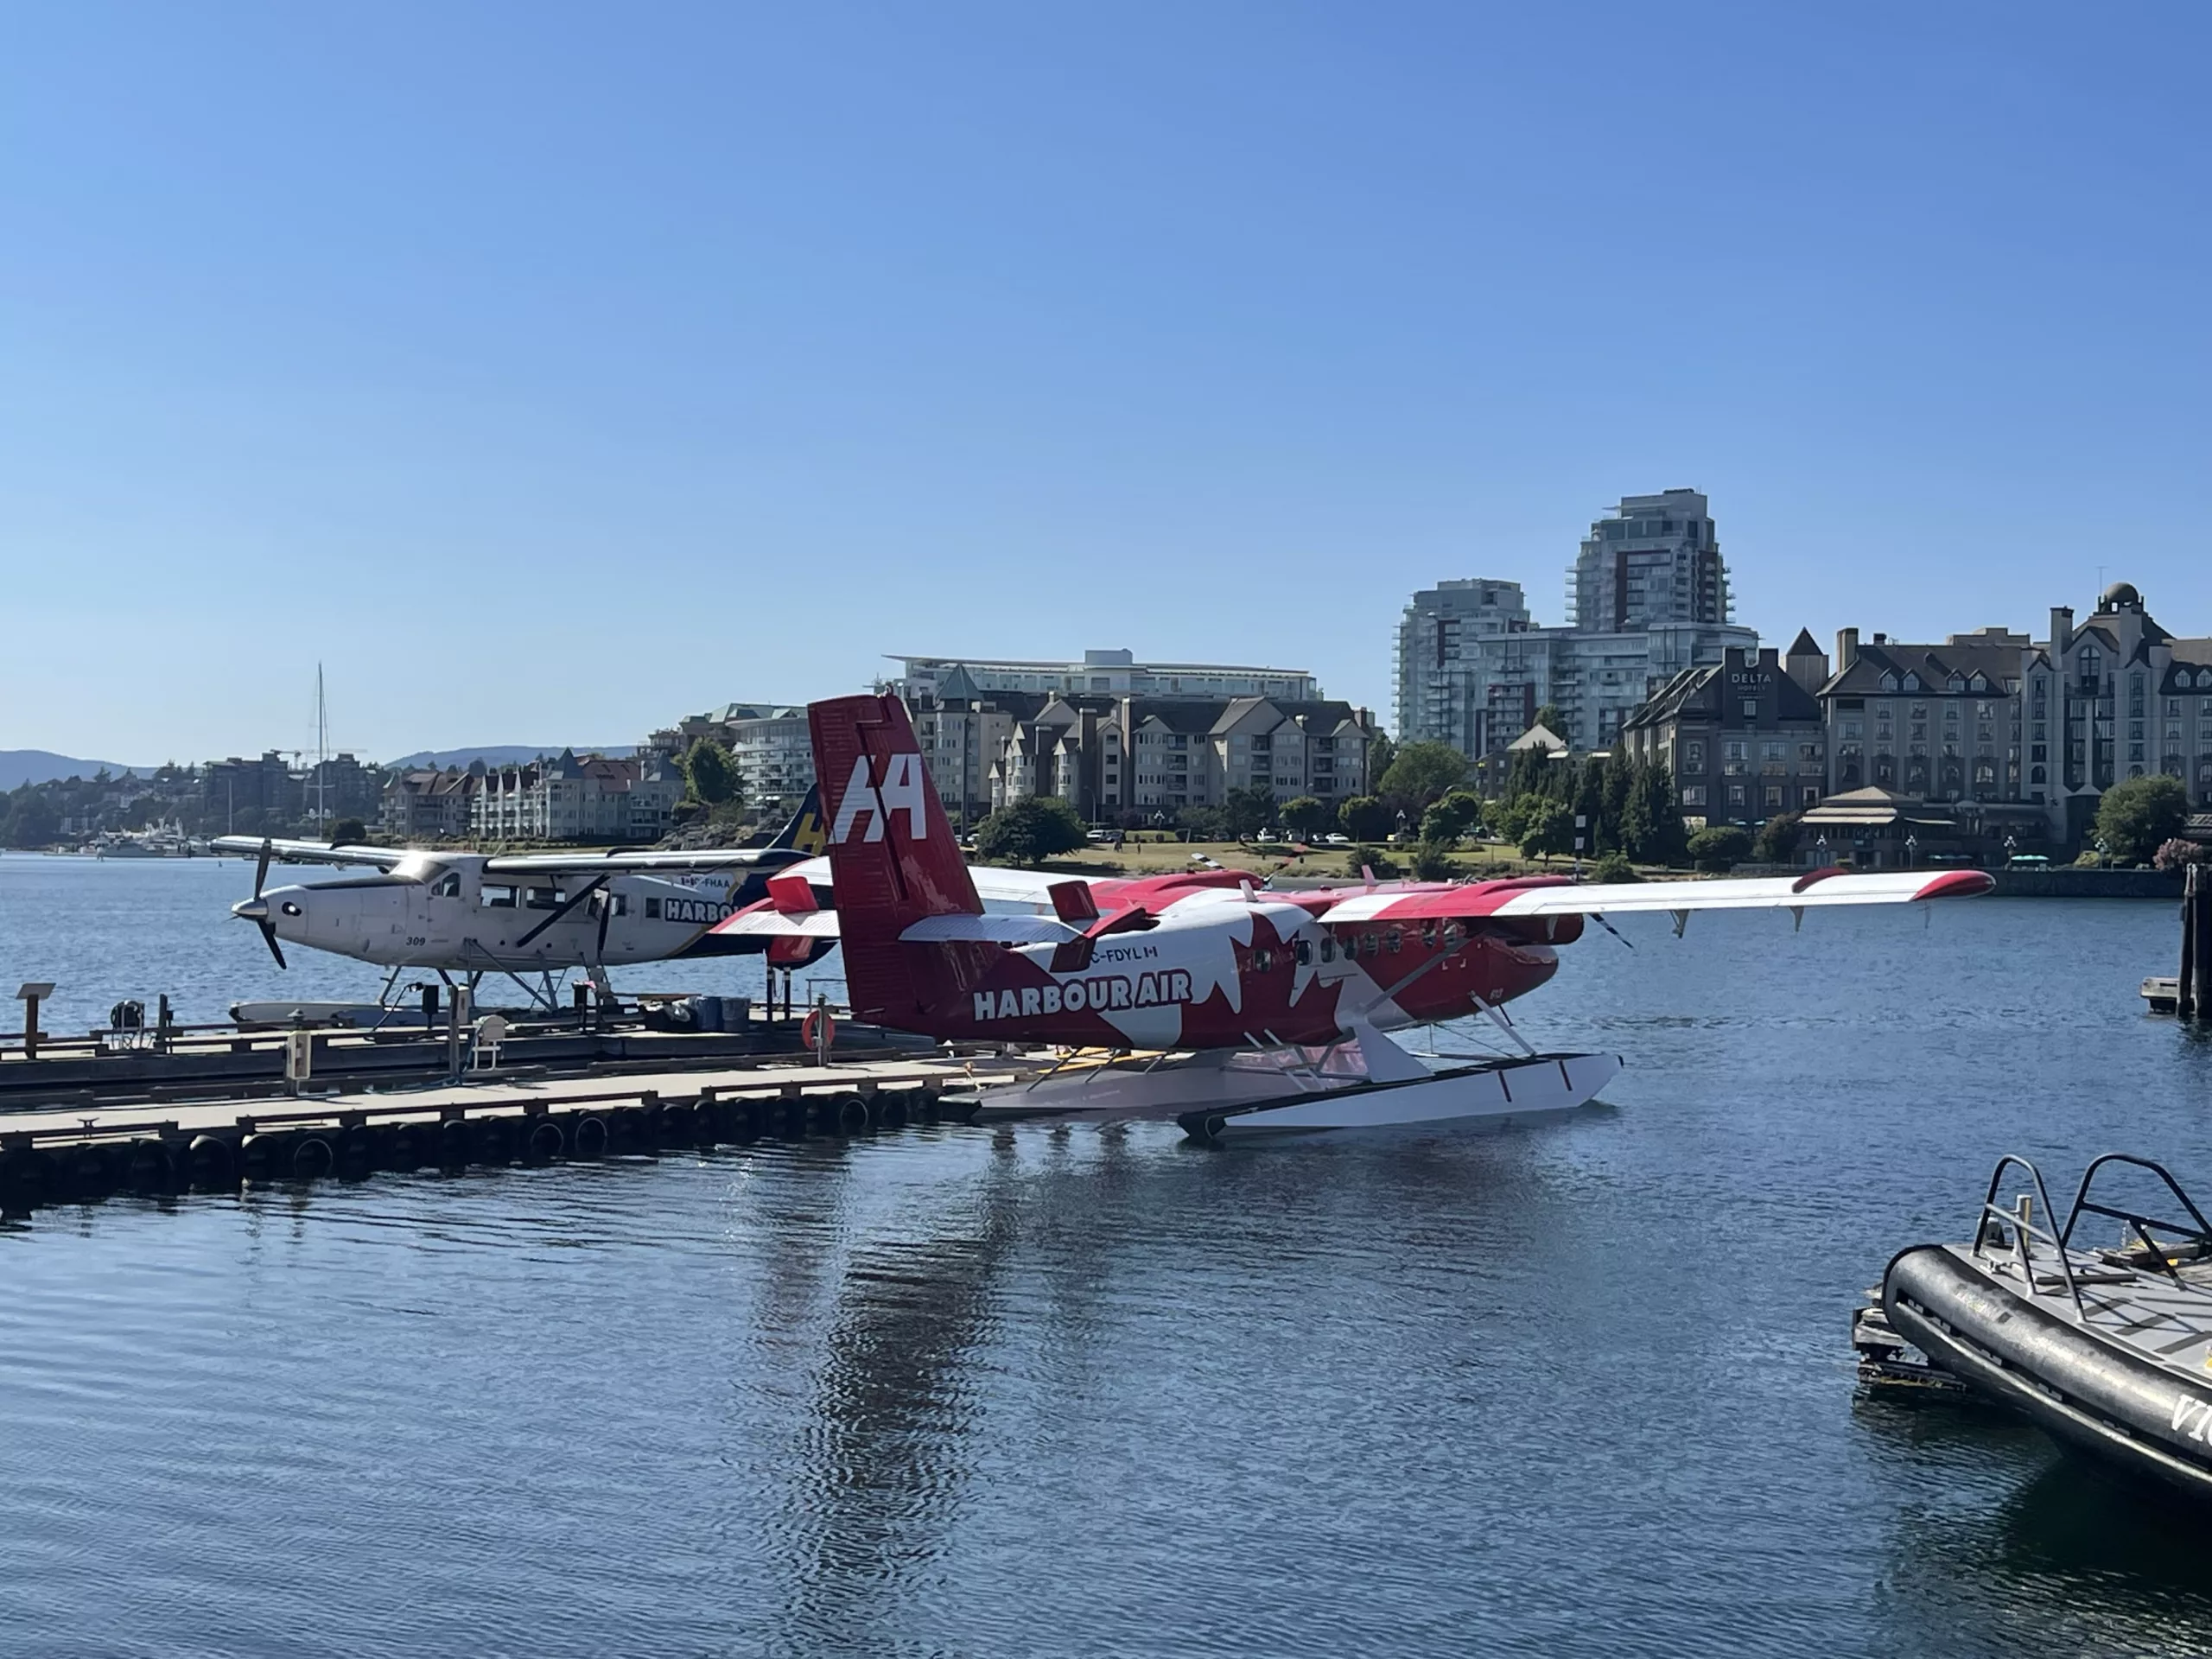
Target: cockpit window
447, 885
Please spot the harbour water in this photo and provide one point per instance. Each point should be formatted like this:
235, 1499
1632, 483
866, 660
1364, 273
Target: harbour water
1580, 1389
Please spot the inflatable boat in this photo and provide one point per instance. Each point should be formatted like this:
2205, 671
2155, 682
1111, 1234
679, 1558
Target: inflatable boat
2107, 1347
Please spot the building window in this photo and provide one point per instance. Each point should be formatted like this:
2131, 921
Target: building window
1693, 795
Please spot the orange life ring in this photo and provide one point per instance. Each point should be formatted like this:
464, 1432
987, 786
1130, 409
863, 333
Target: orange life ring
818, 1030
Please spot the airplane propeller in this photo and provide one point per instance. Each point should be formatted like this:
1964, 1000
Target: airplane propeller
255, 909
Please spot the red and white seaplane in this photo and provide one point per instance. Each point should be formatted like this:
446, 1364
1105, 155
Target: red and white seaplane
1204, 997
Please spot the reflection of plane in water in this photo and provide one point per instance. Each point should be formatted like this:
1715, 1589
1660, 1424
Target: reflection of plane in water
462, 913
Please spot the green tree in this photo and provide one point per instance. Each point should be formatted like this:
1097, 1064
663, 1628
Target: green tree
1508, 819
710, 772
1720, 846
1420, 773
1635, 818
1363, 817
1547, 827
1457, 813
30, 821
1432, 861
1777, 841
348, 832
1306, 817
1620, 782
2137, 814
1382, 753
1614, 867
1666, 839
1590, 806
1029, 831
1203, 823
1249, 811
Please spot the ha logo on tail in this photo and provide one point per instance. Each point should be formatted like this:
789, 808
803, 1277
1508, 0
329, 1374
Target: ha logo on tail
904, 789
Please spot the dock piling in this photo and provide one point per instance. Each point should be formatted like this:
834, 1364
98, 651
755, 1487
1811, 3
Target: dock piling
2193, 990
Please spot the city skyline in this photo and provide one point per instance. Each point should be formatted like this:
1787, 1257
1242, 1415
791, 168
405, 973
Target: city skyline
717, 359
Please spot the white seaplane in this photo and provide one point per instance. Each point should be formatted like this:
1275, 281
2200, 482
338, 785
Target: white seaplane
464, 914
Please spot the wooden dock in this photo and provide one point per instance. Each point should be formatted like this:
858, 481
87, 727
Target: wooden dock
49, 1156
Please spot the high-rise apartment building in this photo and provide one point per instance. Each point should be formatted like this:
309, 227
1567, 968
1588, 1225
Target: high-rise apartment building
1655, 561
1650, 599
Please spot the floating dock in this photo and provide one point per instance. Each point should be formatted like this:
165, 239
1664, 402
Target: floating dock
49, 1156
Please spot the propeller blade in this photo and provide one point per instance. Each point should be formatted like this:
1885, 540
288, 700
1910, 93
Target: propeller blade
261, 870
269, 937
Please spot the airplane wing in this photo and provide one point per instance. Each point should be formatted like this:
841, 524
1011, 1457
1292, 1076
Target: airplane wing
710, 858
764, 921
312, 852
1033, 889
1556, 896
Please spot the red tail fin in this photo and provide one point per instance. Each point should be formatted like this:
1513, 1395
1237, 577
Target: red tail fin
893, 860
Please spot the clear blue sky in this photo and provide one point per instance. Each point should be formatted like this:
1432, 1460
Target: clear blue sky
549, 371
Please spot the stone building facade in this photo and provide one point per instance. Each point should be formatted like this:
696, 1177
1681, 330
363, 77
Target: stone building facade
1133, 758
593, 799
1996, 719
1744, 738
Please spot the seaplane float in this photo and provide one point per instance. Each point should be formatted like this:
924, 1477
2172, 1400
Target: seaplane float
1206, 996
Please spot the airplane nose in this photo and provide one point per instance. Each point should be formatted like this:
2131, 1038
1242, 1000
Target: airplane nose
251, 910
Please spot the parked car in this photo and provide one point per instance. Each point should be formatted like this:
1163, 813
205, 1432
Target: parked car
1332, 839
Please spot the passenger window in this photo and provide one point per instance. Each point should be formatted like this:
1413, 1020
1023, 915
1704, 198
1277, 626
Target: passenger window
497, 897
1304, 947
1429, 936
1452, 935
543, 899
1369, 945
1328, 947
621, 904
1393, 939
652, 910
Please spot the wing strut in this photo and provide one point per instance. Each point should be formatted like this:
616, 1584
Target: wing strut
563, 908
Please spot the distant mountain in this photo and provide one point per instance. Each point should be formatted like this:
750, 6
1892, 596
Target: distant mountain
20, 767
504, 754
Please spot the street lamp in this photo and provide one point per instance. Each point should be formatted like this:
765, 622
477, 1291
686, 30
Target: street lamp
1911, 848
1820, 852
